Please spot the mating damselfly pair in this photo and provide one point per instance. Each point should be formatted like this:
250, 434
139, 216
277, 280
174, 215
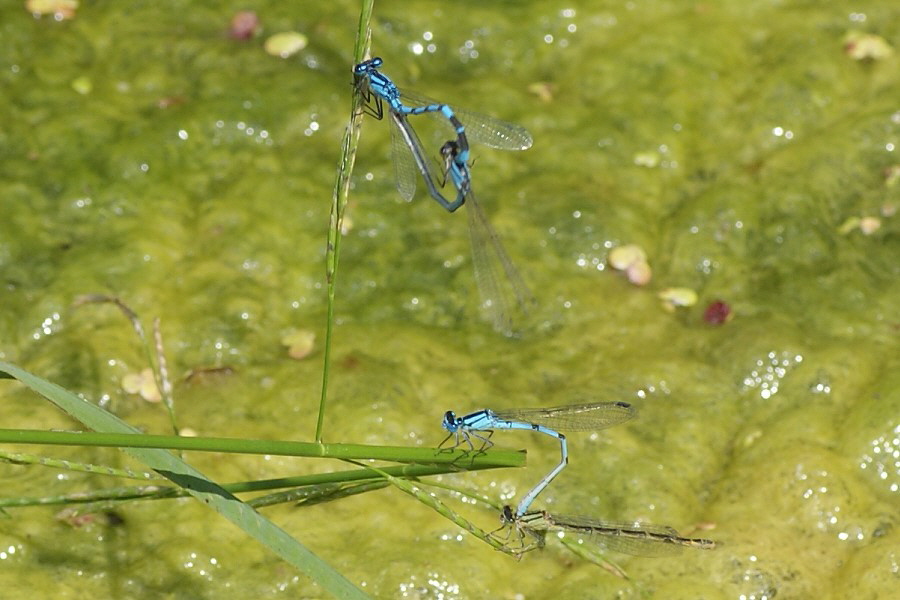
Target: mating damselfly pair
531, 527
502, 296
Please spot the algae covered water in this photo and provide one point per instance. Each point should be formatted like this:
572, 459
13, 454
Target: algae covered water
748, 152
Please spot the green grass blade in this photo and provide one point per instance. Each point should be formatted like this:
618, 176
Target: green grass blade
105, 497
410, 487
457, 458
18, 458
317, 494
208, 492
157, 492
339, 203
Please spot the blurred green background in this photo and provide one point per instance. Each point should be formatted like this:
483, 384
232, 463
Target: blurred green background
146, 154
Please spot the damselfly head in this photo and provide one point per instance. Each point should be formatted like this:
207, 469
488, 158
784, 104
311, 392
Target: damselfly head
366, 66
450, 422
449, 150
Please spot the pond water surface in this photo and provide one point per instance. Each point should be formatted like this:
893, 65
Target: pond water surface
149, 156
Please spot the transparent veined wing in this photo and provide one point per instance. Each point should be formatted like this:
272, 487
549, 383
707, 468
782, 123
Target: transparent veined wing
480, 128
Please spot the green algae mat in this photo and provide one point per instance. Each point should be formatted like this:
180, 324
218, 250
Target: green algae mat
707, 221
